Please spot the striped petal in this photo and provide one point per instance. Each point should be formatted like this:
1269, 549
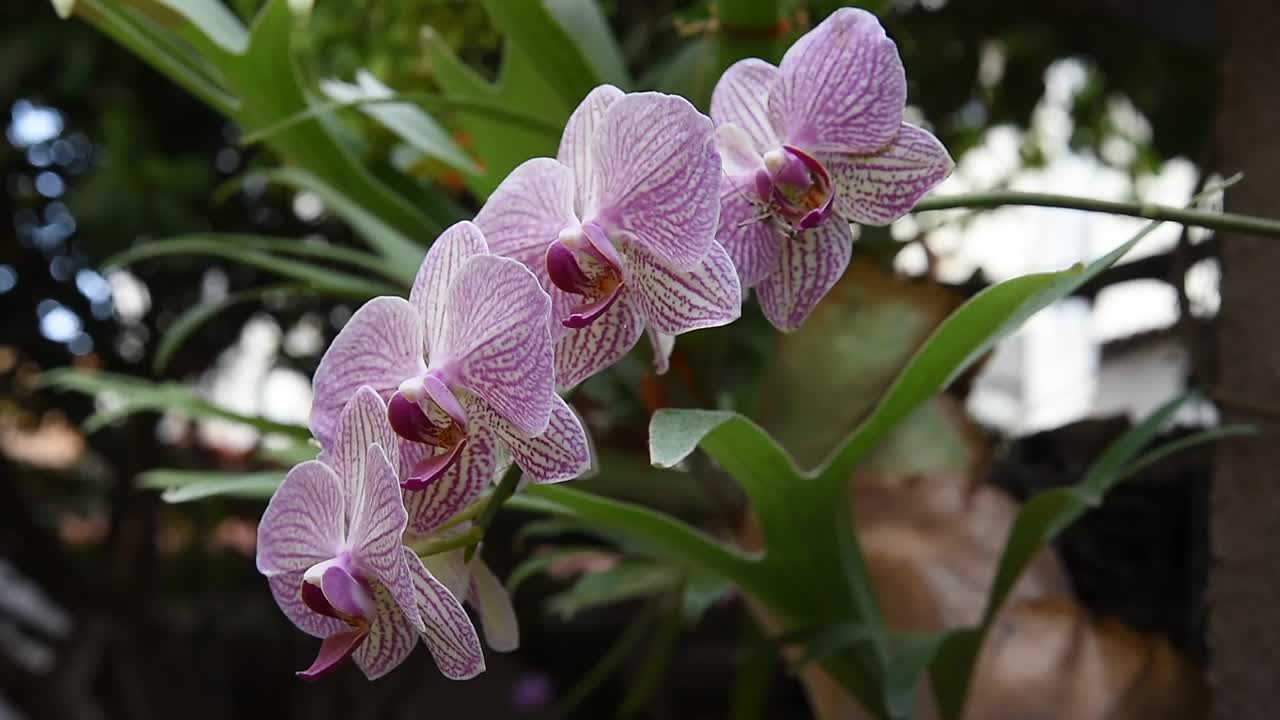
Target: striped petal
880, 189
559, 453
748, 234
493, 604
458, 487
376, 534
809, 264
430, 293
741, 98
287, 591
659, 177
363, 422
841, 87
449, 634
577, 151
392, 634
303, 523
675, 302
497, 341
380, 346
662, 346
527, 211
584, 352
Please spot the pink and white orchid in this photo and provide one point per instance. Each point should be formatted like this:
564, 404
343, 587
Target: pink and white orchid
466, 366
620, 229
810, 146
331, 545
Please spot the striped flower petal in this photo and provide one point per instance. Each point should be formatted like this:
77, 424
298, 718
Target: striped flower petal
363, 422
380, 346
841, 87
559, 453
809, 264
304, 521
392, 634
662, 346
376, 531
430, 291
527, 211
748, 234
880, 189
581, 353
449, 634
286, 589
493, 604
460, 485
659, 175
497, 341
577, 151
674, 302
741, 98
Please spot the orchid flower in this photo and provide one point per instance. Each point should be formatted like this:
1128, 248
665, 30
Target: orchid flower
620, 228
466, 366
331, 546
810, 146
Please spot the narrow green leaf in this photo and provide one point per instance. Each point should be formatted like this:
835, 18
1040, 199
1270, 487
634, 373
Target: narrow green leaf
606, 665
191, 320
1207, 436
657, 660
586, 24
754, 676
539, 563
181, 486
213, 20
529, 26
628, 580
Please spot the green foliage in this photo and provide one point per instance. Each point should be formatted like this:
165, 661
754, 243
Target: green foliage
180, 486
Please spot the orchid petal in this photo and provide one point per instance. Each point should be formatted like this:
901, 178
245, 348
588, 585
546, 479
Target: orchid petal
497, 339
527, 211
378, 521
748, 234
303, 523
841, 87
880, 189
344, 593
741, 98
738, 155
430, 291
363, 422
458, 487
335, 648
662, 345
659, 176
584, 352
809, 264
380, 346
492, 602
561, 452
577, 150
449, 634
675, 302
287, 591
451, 567
392, 634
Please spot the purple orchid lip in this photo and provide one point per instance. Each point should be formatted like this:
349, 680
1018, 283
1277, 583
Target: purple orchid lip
802, 190
427, 472
565, 271
583, 262
583, 315
335, 648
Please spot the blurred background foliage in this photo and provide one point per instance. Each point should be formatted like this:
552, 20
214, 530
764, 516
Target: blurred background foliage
117, 591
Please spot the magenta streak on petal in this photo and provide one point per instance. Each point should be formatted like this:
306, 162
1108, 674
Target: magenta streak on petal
345, 593
432, 468
335, 648
583, 315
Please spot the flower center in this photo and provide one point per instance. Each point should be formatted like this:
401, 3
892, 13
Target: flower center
424, 410
331, 589
582, 261
796, 187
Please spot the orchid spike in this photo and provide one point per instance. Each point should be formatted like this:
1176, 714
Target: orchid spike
331, 546
620, 228
466, 367
810, 146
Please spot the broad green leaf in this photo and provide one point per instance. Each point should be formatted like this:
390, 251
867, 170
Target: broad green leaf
191, 319
236, 248
529, 26
130, 395
181, 486
406, 120
586, 24
211, 18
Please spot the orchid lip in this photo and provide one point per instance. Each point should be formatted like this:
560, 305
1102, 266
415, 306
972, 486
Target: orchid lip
428, 471
582, 261
330, 589
583, 315
333, 650
443, 422
801, 192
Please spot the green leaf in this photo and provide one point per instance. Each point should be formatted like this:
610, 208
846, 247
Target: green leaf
587, 25
539, 563
406, 120
197, 315
628, 580
181, 486
245, 250
648, 677
130, 395
213, 20
529, 26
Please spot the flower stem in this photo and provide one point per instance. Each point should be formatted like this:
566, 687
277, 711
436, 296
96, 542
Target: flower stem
435, 547
466, 513
1151, 211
